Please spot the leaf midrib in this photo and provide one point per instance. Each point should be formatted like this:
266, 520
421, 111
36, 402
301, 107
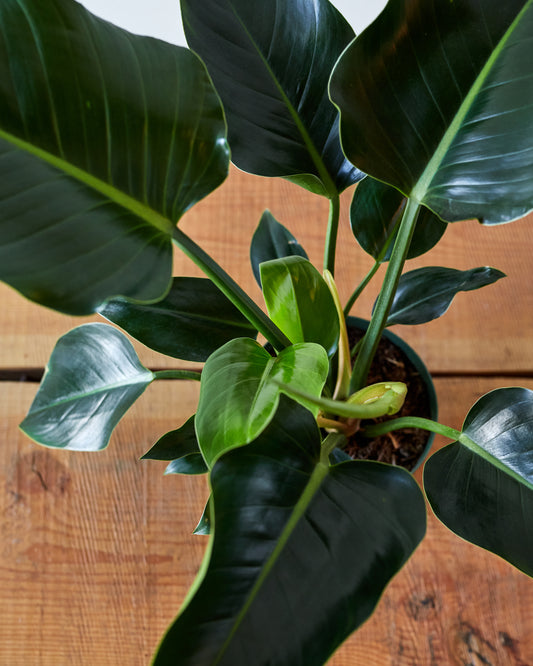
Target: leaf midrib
323, 172
476, 449
115, 195
320, 472
423, 184
145, 378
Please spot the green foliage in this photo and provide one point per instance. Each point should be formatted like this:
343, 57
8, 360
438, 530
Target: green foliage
375, 214
444, 115
181, 448
270, 63
426, 293
191, 322
241, 389
92, 378
294, 291
107, 139
481, 486
284, 520
272, 240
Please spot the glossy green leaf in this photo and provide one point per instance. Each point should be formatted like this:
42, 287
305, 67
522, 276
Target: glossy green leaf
270, 62
193, 463
181, 448
106, 139
481, 486
272, 240
92, 378
240, 390
190, 323
204, 524
426, 293
299, 302
436, 100
300, 555
375, 213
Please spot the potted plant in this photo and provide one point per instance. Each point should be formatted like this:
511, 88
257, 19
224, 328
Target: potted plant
108, 139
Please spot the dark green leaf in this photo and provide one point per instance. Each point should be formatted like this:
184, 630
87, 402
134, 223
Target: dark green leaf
300, 555
270, 62
106, 139
204, 525
481, 486
299, 302
175, 444
193, 463
426, 293
374, 214
272, 240
190, 323
240, 390
436, 100
91, 380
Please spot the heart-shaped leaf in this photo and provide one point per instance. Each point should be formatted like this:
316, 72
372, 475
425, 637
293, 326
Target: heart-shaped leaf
106, 139
270, 62
272, 240
375, 213
299, 302
481, 486
190, 323
436, 99
92, 378
300, 555
426, 293
240, 390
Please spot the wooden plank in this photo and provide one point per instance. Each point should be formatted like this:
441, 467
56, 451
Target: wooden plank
224, 224
97, 554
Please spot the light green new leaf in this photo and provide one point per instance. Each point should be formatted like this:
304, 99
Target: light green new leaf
92, 378
426, 293
299, 302
106, 139
240, 390
300, 552
481, 486
436, 99
270, 62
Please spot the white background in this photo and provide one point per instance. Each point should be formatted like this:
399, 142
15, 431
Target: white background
161, 18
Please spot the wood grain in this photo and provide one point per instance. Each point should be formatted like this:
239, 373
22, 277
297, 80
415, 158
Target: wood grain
96, 554
224, 223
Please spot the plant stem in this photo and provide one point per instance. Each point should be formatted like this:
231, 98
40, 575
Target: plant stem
178, 374
333, 440
386, 296
379, 260
410, 422
330, 246
359, 290
231, 289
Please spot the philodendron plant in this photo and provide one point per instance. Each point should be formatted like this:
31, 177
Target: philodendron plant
107, 139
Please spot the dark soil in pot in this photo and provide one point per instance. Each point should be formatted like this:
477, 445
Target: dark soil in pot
401, 447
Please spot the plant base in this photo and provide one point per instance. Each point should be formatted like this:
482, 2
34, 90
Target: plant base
406, 447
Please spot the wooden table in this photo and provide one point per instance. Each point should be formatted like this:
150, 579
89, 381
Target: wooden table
96, 551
